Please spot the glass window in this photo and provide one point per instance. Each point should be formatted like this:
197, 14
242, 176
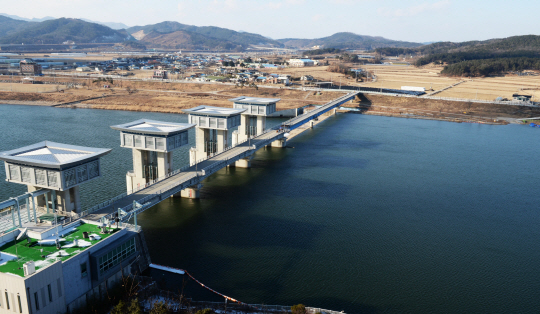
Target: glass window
26, 174
82, 173
118, 254
138, 141
84, 272
184, 138
20, 306
52, 178
128, 140
69, 177
160, 143
93, 169
59, 285
14, 173
150, 142
50, 292
41, 177
7, 300
36, 299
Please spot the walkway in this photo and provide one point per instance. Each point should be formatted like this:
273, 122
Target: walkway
194, 175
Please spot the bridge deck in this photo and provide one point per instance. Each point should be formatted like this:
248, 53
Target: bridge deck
306, 117
194, 175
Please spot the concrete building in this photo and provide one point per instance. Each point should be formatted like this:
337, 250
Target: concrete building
64, 267
53, 166
212, 131
28, 67
301, 63
253, 121
152, 143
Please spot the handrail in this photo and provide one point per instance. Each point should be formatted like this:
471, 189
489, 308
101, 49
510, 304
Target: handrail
258, 141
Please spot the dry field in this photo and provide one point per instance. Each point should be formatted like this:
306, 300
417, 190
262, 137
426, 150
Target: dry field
28, 88
396, 76
487, 88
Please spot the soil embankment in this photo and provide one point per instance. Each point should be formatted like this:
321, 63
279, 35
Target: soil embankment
174, 97
442, 109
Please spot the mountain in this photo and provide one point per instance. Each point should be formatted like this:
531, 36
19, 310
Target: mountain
524, 44
63, 29
346, 40
113, 25
15, 17
189, 36
9, 25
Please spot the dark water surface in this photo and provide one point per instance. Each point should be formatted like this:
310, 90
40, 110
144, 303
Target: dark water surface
365, 214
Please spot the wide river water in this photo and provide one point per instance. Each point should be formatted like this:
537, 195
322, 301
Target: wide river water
363, 214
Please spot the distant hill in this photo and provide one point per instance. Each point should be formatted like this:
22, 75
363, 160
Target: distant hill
16, 17
477, 58
9, 26
190, 36
346, 41
59, 30
185, 40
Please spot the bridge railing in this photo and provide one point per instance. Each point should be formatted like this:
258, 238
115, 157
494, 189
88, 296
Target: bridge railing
257, 143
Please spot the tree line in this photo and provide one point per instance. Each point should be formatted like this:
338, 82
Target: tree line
486, 67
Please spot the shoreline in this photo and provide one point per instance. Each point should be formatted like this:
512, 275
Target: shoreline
449, 117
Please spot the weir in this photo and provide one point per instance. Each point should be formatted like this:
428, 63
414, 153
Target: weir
150, 191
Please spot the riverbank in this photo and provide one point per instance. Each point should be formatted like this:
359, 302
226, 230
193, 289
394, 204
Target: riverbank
175, 101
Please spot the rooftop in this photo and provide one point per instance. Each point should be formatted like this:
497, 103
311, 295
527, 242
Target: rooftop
152, 127
44, 252
214, 111
52, 155
255, 100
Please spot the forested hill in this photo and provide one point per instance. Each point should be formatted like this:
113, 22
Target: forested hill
188, 36
63, 29
346, 40
10, 26
478, 58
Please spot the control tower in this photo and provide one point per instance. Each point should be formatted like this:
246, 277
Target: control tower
152, 143
54, 166
212, 131
254, 117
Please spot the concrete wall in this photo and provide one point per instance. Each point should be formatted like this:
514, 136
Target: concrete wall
39, 283
25, 288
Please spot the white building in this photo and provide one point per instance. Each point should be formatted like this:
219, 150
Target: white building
39, 277
152, 143
301, 63
54, 166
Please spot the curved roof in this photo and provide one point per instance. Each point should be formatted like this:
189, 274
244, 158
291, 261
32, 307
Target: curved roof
214, 111
52, 155
152, 127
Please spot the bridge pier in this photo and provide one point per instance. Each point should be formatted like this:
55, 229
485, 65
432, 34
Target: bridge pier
192, 192
279, 143
243, 163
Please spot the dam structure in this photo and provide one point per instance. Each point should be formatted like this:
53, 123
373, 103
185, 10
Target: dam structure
151, 180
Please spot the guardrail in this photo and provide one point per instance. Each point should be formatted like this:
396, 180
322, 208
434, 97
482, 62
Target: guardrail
206, 171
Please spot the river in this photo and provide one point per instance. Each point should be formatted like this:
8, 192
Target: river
364, 214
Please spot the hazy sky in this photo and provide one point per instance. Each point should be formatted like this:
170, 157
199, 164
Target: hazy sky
412, 20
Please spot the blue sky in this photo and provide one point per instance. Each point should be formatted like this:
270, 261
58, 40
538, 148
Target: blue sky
412, 20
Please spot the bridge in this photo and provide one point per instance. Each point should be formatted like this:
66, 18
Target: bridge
126, 206
131, 204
